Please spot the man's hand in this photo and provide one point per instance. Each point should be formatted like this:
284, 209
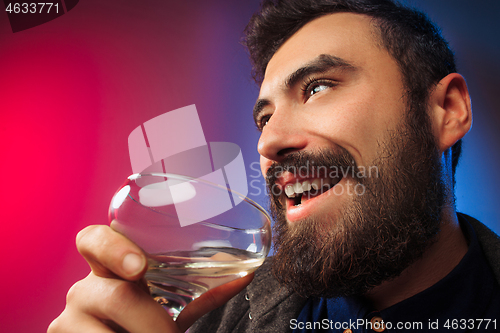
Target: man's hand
115, 298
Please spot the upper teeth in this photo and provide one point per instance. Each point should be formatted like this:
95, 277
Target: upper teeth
292, 190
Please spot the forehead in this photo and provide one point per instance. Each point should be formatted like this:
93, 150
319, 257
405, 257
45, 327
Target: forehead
348, 36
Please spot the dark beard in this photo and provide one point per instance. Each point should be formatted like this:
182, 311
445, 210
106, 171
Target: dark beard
376, 236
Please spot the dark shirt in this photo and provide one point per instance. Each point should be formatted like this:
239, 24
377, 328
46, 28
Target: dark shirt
466, 300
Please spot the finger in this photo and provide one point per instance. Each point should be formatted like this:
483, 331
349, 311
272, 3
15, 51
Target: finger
110, 254
211, 300
114, 326
123, 303
69, 322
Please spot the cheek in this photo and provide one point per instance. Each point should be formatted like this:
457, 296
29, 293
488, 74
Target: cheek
359, 120
351, 122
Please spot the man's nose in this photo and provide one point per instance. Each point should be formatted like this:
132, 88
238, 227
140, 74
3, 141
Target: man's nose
282, 135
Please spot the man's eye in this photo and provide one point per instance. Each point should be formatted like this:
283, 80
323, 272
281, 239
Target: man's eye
263, 121
317, 88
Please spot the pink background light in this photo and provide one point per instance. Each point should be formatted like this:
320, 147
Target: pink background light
72, 90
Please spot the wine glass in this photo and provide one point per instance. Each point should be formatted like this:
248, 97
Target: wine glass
197, 235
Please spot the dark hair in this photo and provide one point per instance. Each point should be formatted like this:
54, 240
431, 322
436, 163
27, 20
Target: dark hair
416, 44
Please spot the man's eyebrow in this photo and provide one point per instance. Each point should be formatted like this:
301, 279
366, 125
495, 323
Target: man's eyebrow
321, 64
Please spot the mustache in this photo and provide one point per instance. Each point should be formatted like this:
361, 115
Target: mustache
318, 164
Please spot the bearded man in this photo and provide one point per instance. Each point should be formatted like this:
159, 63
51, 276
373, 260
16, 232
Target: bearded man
346, 86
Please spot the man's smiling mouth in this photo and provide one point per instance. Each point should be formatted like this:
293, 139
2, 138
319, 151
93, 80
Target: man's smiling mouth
305, 189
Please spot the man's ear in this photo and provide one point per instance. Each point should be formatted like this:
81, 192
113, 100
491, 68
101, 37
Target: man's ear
451, 111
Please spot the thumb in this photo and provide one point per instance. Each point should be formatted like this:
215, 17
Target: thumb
110, 254
211, 300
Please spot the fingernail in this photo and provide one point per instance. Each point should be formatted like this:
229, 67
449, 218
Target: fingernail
132, 264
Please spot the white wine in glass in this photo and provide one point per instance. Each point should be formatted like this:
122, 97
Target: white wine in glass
197, 235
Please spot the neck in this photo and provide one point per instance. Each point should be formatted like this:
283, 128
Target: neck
438, 260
